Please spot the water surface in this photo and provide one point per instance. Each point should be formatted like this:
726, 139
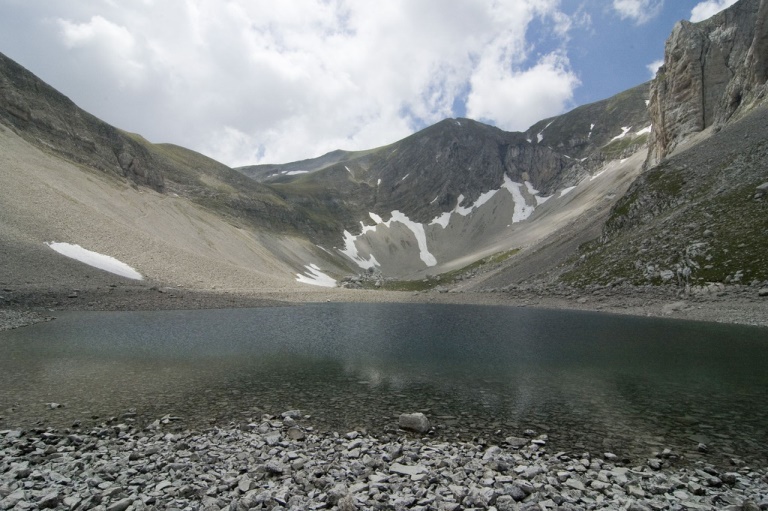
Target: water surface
591, 381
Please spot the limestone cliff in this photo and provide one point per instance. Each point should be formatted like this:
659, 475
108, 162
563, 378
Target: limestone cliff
713, 70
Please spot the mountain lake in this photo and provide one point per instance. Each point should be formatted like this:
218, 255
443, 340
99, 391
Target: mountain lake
589, 381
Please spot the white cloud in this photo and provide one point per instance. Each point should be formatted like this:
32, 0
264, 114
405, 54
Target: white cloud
639, 11
654, 66
248, 81
113, 45
707, 9
516, 99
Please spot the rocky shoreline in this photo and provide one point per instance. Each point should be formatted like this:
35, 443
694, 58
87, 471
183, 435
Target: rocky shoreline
737, 304
281, 462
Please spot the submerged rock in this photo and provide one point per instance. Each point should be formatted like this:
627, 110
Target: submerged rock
416, 422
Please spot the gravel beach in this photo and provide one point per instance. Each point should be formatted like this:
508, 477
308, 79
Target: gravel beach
279, 462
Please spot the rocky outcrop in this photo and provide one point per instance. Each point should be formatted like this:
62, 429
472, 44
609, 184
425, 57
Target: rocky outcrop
713, 70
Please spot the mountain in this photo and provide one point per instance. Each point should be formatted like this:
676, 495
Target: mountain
455, 191
649, 187
179, 217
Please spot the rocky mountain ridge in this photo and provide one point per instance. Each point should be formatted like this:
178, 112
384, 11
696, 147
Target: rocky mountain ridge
440, 185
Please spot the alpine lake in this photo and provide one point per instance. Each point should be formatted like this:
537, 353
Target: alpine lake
589, 381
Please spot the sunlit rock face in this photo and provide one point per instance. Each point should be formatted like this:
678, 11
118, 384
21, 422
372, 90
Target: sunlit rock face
712, 70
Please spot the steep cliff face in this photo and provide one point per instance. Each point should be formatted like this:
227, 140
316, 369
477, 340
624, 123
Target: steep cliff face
713, 70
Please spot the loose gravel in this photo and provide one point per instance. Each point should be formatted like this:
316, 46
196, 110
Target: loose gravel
279, 462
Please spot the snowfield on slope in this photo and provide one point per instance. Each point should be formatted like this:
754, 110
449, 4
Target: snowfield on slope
315, 277
522, 210
95, 259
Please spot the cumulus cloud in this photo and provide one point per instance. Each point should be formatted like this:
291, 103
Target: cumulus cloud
654, 66
639, 11
516, 99
707, 9
113, 45
249, 81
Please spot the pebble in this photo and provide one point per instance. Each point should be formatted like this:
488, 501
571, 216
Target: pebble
239, 468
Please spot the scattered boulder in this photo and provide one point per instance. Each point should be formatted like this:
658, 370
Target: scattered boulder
416, 422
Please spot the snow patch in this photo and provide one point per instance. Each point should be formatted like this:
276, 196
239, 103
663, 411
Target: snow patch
315, 277
566, 191
530, 188
645, 130
405, 176
95, 259
484, 197
296, 172
435, 199
522, 210
442, 220
463, 211
540, 136
592, 178
624, 131
350, 250
416, 228
378, 183
421, 237
533, 191
367, 228
591, 127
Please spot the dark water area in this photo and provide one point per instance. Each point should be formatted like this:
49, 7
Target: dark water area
592, 382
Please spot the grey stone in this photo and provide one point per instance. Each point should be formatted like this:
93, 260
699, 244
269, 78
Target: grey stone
121, 505
409, 470
516, 442
575, 484
416, 422
636, 491
49, 500
274, 467
296, 433
654, 463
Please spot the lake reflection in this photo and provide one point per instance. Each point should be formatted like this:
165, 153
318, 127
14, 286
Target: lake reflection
591, 381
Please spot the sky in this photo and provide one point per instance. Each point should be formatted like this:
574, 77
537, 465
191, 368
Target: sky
257, 81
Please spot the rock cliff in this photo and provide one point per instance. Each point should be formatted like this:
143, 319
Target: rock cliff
713, 71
